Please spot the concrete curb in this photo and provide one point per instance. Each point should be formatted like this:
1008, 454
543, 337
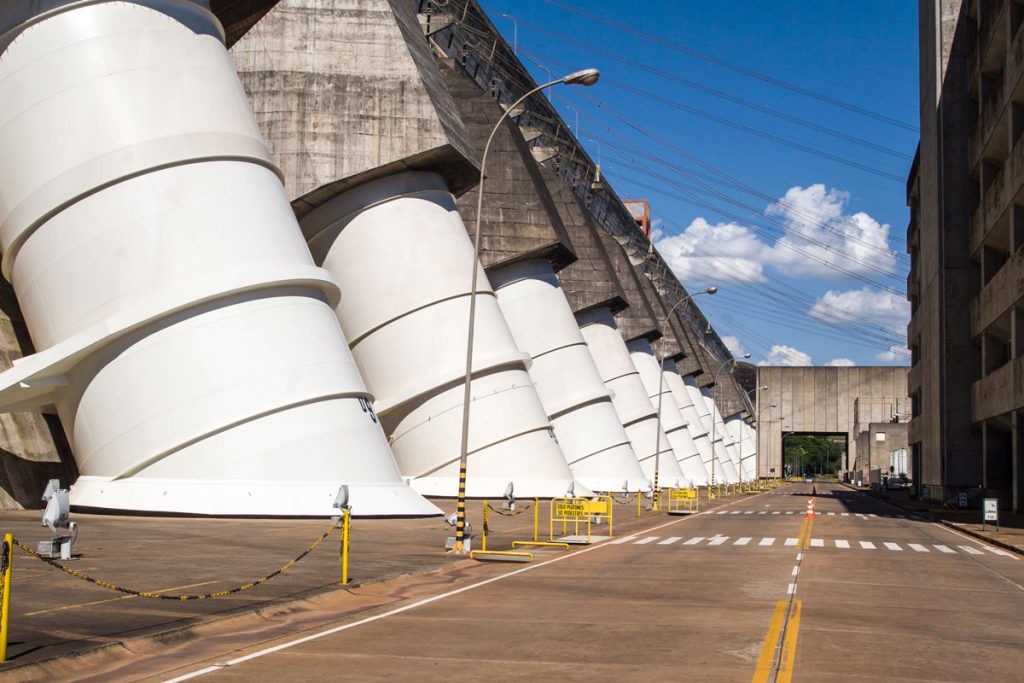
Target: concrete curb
979, 536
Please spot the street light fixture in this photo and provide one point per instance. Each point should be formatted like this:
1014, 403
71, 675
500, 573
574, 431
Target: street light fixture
661, 385
584, 77
714, 423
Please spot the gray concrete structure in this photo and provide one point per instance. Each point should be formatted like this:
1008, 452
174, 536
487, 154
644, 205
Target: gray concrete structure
825, 400
875, 446
965, 236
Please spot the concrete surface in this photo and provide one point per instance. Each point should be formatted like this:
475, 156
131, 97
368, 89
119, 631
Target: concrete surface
667, 597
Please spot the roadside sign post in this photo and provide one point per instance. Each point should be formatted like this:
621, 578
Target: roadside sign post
962, 499
990, 512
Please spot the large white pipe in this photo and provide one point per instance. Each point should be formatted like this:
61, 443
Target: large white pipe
632, 403
576, 400
672, 420
694, 425
721, 441
183, 332
710, 455
744, 436
401, 255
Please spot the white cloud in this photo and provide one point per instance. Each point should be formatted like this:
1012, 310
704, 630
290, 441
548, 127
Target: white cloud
889, 311
786, 355
895, 354
822, 235
705, 253
734, 345
840, 363
817, 236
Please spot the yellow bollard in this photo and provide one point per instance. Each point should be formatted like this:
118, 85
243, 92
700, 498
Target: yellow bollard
638, 494
536, 518
7, 561
345, 521
483, 542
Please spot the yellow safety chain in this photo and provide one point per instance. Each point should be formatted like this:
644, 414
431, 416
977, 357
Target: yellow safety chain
506, 513
181, 598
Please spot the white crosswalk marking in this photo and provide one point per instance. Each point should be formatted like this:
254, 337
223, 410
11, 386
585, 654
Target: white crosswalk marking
918, 547
995, 551
767, 541
736, 512
817, 543
718, 540
867, 545
624, 539
670, 540
892, 546
831, 514
944, 548
789, 512
763, 512
970, 549
644, 541
743, 541
846, 514
791, 541
749, 512
722, 512
694, 541
840, 543
777, 512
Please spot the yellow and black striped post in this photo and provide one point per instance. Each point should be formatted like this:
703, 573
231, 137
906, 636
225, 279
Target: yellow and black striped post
7, 561
460, 513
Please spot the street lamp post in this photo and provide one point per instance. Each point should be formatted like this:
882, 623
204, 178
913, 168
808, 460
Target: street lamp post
714, 423
661, 386
585, 77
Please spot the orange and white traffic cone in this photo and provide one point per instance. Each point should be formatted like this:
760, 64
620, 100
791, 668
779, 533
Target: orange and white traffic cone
810, 507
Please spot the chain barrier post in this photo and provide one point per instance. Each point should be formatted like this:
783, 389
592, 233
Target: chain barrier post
483, 543
536, 519
6, 561
346, 520
639, 494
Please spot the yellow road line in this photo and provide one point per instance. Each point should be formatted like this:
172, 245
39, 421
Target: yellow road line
767, 657
807, 538
123, 597
789, 646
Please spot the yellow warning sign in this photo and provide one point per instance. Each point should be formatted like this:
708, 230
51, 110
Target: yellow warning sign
571, 510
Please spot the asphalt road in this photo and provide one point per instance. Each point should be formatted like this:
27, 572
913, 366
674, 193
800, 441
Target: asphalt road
752, 590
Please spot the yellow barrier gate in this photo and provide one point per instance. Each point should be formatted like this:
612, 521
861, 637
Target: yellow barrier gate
683, 500
580, 510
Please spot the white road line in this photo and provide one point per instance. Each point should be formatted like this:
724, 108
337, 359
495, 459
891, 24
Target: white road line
846, 514
670, 540
624, 539
743, 541
767, 541
763, 512
777, 512
817, 543
736, 512
722, 512
918, 547
799, 557
796, 570
694, 541
996, 551
867, 545
791, 589
718, 540
979, 544
749, 512
892, 546
840, 543
791, 541
944, 548
644, 541
789, 512
831, 514
970, 550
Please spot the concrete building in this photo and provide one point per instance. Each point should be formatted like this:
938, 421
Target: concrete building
823, 401
966, 332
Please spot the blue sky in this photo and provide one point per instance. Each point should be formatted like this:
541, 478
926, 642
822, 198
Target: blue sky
772, 138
